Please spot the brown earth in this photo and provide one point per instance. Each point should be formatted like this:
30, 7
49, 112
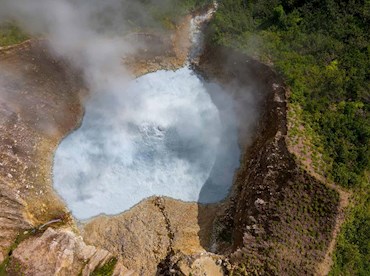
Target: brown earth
153, 230
277, 220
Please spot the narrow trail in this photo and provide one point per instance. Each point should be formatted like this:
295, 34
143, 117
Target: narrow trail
344, 199
324, 267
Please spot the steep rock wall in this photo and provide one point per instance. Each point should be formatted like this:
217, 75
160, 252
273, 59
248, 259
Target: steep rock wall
279, 220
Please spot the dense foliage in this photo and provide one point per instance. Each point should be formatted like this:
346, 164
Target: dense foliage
322, 48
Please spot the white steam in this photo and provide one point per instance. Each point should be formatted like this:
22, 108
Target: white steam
72, 30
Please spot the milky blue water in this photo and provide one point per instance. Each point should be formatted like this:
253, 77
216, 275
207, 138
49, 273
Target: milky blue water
161, 135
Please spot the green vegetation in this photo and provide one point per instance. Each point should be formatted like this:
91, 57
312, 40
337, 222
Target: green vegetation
107, 269
352, 256
10, 34
322, 49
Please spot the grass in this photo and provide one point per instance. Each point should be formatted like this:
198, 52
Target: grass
306, 143
352, 253
10, 34
105, 270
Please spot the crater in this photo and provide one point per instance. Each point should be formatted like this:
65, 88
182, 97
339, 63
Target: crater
186, 122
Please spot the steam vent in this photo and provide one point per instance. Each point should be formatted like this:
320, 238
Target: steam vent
143, 138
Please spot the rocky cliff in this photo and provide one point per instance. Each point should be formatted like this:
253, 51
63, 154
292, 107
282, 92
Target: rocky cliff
279, 220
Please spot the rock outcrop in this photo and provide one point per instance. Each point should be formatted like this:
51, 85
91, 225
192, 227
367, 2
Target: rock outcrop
60, 252
11, 219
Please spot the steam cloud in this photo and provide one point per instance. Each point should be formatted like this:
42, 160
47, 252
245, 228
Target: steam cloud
79, 30
161, 134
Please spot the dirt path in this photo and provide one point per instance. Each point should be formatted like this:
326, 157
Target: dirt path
344, 200
305, 157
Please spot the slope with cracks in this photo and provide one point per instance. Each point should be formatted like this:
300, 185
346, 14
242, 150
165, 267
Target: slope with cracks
164, 267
